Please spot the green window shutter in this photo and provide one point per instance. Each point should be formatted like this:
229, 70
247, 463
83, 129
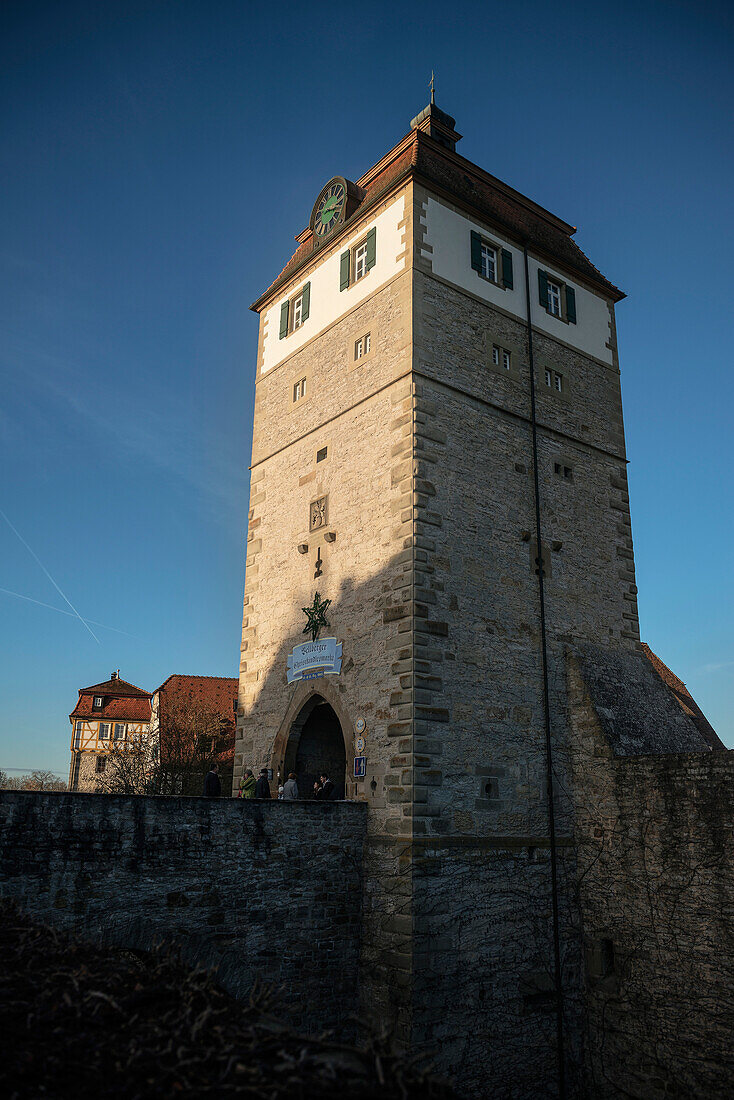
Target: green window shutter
571, 305
306, 293
476, 251
543, 288
371, 243
507, 269
284, 320
346, 260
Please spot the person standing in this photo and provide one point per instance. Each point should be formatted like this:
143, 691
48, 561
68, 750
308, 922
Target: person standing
212, 783
247, 784
262, 787
328, 790
290, 788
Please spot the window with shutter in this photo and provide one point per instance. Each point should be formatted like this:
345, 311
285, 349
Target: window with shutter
543, 288
344, 270
571, 305
371, 243
306, 305
476, 251
507, 269
284, 320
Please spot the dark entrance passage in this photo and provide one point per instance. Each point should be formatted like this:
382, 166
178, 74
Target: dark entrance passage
316, 744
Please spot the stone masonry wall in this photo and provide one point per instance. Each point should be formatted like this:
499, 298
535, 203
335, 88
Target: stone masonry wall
262, 890
655, 844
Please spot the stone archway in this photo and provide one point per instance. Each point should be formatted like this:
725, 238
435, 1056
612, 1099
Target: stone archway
315, 745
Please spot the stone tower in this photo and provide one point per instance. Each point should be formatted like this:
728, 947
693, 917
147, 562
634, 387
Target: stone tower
438, 451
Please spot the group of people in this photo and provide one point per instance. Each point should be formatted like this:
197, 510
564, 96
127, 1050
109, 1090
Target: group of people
249, 787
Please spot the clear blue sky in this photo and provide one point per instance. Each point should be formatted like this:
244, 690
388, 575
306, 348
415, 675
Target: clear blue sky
158, 159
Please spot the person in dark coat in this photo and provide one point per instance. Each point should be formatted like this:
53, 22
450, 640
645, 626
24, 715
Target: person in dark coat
262, 788
212, 783
328, 790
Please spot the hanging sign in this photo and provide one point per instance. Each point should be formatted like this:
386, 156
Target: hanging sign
360, 767
360, 726
312, 659
359, 745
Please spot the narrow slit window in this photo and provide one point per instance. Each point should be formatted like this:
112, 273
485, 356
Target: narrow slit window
506, 359
321, 454
558, 382
549, 378
298, 312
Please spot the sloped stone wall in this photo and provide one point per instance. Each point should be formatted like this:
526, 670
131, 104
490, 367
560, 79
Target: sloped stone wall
655, 851
262, 890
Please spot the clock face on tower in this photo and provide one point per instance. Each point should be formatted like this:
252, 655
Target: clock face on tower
329, 209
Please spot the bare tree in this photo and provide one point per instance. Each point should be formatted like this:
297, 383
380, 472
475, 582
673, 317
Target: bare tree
38, 780
191, 738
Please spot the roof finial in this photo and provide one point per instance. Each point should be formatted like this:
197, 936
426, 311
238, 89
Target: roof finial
433, 93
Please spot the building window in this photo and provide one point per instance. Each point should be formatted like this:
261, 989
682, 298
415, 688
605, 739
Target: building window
554, 380
104, 731
491, 262
362, 346
321, 454
299, 389
501, 357
357, 262
98, 701
78, 726
100, 765
295, 311
554, 299
557, 298
360, 262
119, 732
563, 471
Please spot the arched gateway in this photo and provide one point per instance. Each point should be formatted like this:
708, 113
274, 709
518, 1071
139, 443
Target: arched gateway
315, 744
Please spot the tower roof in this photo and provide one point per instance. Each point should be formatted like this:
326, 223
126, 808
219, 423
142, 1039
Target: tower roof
428, 154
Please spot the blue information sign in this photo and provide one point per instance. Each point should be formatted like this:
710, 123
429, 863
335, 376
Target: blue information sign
360, 767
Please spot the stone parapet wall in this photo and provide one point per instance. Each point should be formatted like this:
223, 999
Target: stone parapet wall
655, 849
267, 891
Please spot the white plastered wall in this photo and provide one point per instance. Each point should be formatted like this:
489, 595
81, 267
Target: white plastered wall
328, 303
448, 232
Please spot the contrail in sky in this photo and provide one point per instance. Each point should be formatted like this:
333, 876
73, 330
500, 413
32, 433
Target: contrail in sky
53, 582
63, 611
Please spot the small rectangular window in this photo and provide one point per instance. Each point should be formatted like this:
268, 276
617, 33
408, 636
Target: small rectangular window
501, 357
554, 299
360, 262
98, 702
554, 380
563, 471
104, 731
489, 263
321, 455
78, 735
101, 764
119, 732
362, 346
299, 389
298, 312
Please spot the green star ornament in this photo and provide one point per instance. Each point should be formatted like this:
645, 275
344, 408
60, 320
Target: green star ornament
315, 616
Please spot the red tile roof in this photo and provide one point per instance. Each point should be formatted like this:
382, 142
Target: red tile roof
684, 698
496, 202
211, 693
122, 701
